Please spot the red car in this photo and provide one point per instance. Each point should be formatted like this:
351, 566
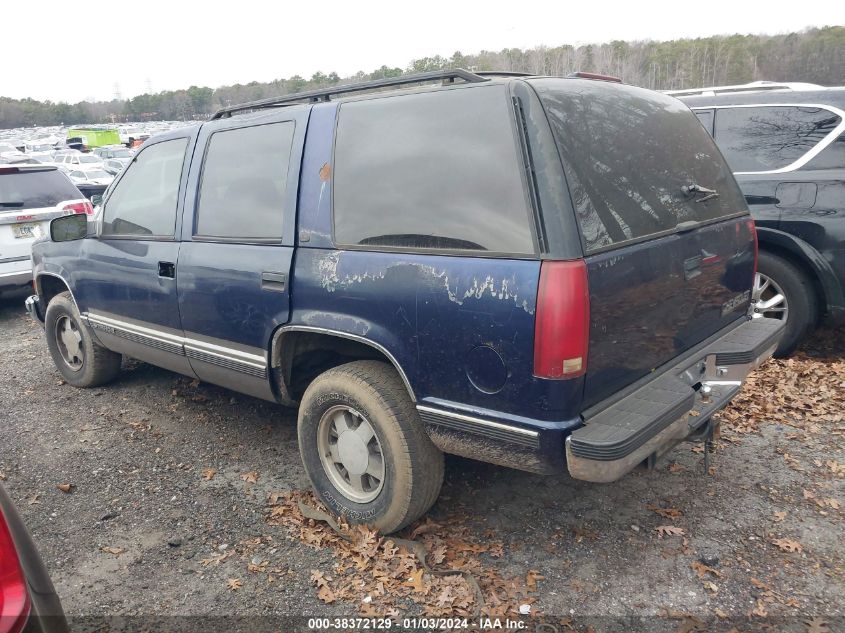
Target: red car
28, 601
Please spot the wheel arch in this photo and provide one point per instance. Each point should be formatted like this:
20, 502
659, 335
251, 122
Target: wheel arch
826, 285
292, 370
49, 284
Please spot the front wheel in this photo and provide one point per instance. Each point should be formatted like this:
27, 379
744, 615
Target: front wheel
364, 447
81, 361
783, 291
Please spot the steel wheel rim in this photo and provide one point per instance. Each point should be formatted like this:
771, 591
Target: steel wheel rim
69, 342
769, 299
351, 454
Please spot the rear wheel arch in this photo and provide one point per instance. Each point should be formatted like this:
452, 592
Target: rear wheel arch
796, 255
298, 354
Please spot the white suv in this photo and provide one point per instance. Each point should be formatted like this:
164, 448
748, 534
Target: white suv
31, 196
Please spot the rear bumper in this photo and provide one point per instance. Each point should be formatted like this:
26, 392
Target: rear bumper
15, 272
656, 415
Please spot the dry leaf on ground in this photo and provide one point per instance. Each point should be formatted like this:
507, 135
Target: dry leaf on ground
669, 530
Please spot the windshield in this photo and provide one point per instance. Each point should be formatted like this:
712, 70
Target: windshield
96, 173
89, 159
122, 153
40, 148
629, 154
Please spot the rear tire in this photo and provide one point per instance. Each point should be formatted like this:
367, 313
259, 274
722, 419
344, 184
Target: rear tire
387, 479
81, 361
799, 302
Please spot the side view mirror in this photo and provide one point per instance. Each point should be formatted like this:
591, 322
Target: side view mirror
69, 227
96, 199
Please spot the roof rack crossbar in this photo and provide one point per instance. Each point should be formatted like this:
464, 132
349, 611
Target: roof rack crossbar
325, 94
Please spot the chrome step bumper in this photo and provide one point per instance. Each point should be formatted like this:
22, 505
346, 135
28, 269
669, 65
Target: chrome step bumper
674, 405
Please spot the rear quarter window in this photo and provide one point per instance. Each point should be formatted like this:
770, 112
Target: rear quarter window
626, 153
764, 138
436, 170
35, 190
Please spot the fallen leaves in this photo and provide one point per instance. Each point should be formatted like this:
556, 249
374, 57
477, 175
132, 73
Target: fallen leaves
702, 570
787, 545
234, 584
251, 477
114, 551
669, 530
208, 474
817, 625
666, 513
65, 488
437, 568
804, 391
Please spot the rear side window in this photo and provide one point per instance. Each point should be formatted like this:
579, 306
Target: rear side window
144, 201
770, 137
35, 190
627, 152
437, 170
831, 157
243, 182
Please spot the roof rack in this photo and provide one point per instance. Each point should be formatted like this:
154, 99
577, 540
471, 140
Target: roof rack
502, 73
749, 87
325, 94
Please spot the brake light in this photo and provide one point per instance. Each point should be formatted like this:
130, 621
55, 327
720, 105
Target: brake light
595, 76
14, 597
79, 207
753, 228
562, 320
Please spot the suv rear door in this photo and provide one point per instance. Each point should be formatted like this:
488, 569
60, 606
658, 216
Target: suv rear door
666, 269
234, 266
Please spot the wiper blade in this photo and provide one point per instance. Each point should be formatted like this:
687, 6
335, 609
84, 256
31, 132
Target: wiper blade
12, 205
692, 188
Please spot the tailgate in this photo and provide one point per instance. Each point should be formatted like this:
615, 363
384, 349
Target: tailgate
652, 301
19, 229
668, 241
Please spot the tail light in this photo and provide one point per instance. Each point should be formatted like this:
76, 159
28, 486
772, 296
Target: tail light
562, 320
14, 597
753, 228
79, 207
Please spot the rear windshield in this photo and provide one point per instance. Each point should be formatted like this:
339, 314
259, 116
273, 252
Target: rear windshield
35, 190
627, 153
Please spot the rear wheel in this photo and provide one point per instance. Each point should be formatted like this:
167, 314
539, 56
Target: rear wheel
364, 447
81, 361
783, 291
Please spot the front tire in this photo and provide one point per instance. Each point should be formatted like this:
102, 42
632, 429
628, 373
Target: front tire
364, 447
783, 291
81, 361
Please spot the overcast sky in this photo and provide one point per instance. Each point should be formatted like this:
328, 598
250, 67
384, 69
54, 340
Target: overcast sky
165, 45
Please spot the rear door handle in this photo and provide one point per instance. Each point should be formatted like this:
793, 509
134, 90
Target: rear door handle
167, 269
274, 282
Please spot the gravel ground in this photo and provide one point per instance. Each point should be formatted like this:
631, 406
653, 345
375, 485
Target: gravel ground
135, 453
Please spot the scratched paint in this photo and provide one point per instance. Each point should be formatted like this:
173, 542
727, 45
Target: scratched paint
502, 288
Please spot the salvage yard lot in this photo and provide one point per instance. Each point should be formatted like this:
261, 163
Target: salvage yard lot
159, 495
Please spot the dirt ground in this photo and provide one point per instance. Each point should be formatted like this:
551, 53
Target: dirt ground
168, 513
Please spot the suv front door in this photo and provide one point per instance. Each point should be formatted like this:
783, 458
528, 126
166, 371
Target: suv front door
235, 262
128, 291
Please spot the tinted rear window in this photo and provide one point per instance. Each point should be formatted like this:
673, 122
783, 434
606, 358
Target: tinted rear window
35, 189
626, 153
770, 137
436, 170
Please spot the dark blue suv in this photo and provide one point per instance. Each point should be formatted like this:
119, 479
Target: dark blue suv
543, 273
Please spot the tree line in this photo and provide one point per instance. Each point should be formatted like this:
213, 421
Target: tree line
815, 55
